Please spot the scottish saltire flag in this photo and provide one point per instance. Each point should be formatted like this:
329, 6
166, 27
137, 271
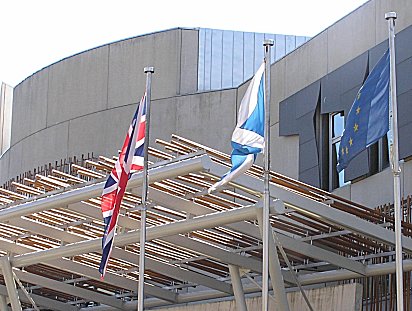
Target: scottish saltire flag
368, 119
129, 161
248, 136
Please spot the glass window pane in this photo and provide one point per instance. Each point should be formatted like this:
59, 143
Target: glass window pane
237, 58
385, 151
300, 40
201, 65
208, 59
227, 64
337, 125
280, 42
259, 50
249, 55
290, 43
341, 176
216, 67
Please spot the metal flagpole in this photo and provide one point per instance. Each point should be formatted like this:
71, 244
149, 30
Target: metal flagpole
393, 143
266, 196
140, 297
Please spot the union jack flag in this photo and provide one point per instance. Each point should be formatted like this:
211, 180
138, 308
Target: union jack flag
130, 160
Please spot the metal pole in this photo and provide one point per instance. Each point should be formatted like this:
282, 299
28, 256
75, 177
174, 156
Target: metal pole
266, 196
276, 277
10, 284
140, 296
393, 143
292, 272
237, 288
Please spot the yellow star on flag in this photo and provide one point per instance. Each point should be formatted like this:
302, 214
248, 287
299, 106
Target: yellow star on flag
350, 141
343, 151
356, 127
358, 110
347, 150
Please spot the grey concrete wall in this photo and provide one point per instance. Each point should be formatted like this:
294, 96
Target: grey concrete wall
30, 106
84, 103
208, 118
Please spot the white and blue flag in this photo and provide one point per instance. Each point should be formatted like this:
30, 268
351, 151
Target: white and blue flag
248, 136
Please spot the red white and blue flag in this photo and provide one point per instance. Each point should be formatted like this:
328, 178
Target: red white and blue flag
130, 160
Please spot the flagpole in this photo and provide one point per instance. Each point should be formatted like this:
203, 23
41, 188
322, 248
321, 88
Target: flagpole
266, 195
140, 297
394, 155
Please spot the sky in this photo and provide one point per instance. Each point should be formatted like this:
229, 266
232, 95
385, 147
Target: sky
35, 34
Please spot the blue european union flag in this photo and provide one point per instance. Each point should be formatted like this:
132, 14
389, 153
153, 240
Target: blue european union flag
368, 119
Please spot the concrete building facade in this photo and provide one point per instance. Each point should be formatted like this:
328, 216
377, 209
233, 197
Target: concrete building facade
83, 103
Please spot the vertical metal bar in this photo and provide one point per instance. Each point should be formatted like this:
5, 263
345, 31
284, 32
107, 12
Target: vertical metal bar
140, 297
237, 288
281, 301
393, 143
293, 273
266, 196
10, 284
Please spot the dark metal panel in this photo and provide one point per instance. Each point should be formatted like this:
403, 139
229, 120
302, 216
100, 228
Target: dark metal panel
308, 155
347, 100
287, 117
357, 167
405, 108
404, 76
405, 141
340, 81
292, 109
330, 96
307, 99
403, 44
376, 53
306, 128
310, 176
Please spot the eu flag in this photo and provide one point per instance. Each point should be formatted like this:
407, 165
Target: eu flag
368, 119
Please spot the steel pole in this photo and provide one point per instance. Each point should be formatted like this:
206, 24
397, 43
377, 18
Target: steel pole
266, 195
10, 284
237, 288
394, 156
145, 187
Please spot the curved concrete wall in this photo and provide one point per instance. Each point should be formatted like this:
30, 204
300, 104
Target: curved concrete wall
83, 103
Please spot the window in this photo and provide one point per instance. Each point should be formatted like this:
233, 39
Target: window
378, 153
336, 127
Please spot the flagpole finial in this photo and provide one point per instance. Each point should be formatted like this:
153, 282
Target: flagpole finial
148, 69
390, 15
269, 42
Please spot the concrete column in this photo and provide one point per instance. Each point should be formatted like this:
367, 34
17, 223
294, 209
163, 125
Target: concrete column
276, 277
10, 284
237, 288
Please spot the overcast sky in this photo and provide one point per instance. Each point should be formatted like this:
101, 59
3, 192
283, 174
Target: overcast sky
35, 34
